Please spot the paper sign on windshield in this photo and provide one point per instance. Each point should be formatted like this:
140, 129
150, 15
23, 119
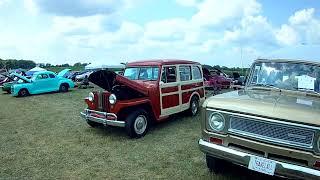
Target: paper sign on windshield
306, 82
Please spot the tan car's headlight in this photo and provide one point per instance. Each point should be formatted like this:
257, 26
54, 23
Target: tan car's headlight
216, 122
91, 97
112, 99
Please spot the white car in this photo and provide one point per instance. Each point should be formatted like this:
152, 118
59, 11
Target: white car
80, 77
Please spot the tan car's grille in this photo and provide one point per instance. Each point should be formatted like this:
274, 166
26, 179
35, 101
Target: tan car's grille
276, 133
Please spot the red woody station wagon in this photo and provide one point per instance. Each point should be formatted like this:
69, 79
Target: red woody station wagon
149, 91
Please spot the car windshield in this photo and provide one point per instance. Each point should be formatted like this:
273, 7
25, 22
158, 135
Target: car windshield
286, 75
142, 73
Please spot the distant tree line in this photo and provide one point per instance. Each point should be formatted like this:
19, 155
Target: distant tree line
15, 64
78, 64
227, 70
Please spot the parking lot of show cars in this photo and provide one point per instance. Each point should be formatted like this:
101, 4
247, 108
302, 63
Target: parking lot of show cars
43, 136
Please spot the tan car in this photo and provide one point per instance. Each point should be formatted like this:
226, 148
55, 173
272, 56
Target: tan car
272, 126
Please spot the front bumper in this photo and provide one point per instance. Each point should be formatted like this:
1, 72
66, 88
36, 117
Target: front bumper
102, 119
242, 158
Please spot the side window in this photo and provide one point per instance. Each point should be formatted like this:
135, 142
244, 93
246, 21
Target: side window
185, 73
196, 73
169, 74
39, 76
52, 76
44, 76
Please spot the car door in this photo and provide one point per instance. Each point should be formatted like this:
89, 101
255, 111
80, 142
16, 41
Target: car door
52, 82
42, 83
170, 99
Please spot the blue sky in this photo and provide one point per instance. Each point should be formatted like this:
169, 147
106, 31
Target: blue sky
112, 31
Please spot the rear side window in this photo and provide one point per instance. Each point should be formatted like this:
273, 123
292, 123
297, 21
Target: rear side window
185, 73
52, 76
196, 73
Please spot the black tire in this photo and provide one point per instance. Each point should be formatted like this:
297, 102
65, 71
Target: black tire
23, 93
194, 106
9, 91
93, 124
137, 123
215, 165
64, 88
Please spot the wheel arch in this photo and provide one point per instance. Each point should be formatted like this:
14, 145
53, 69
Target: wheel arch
124, 112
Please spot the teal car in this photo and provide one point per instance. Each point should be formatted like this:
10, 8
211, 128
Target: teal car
42, 82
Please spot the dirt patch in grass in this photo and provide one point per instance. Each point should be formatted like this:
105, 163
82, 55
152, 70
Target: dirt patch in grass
43, 137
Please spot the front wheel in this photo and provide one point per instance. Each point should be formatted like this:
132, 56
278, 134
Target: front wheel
137, 123
194, 106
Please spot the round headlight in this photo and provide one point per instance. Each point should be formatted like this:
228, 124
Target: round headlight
216, 121
91, 96
112, 99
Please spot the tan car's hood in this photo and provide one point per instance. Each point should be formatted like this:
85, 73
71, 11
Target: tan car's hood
285, 106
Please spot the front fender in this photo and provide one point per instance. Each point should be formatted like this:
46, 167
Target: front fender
17, 87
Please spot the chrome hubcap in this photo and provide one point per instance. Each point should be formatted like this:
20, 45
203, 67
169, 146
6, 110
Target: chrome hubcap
194, 107
140, 124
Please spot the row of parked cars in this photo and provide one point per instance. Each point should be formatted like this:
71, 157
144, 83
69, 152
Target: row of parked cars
270, 126
20, 85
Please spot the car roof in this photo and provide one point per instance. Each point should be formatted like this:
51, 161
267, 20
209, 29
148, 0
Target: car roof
159, 62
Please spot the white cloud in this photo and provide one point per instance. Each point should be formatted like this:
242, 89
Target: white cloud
31, 6
216, 12
287, 35
302, 27
302, 16
2, 2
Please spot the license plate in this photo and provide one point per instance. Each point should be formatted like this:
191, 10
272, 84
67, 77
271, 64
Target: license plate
262, 165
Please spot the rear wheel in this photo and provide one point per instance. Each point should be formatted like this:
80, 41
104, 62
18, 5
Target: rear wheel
23, 93
137, 123
194, 106
9, 91
64, 88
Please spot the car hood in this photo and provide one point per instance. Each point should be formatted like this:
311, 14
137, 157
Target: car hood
295, 107
107, 79
21, 77
63, 72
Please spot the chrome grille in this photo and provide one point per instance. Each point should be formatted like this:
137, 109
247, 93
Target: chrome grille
277, 133
104, 101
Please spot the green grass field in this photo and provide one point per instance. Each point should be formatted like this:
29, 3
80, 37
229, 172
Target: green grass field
43, 137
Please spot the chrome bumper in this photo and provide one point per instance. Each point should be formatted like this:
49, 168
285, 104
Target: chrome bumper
86, 116
242, 158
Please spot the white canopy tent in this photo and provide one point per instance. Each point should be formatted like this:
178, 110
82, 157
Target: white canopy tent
94, 66
33, 70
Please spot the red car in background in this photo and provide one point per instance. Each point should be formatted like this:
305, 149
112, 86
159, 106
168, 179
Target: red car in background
216, 80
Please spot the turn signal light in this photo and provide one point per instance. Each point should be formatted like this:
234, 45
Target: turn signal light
317, 164
216, 140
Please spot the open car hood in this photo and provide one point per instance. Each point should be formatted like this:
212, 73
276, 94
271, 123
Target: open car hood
107, 79
9, 77
21, 77
63, 72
